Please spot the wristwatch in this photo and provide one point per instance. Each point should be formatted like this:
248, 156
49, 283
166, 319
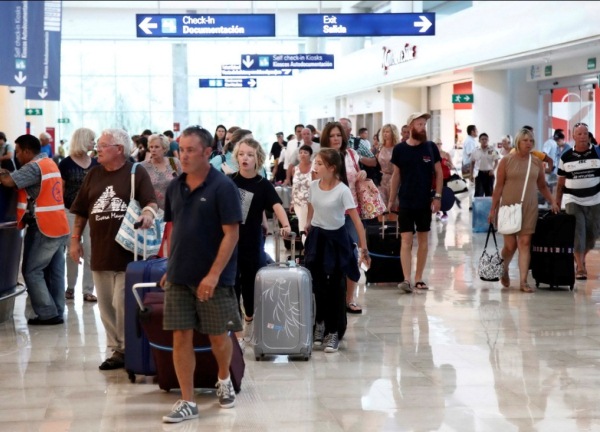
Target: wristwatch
437, 196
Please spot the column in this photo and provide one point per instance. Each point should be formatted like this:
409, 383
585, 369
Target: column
492, 104
12, 111
180, 85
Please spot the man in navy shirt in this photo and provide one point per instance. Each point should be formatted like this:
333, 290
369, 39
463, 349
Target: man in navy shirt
416, 161
199, 284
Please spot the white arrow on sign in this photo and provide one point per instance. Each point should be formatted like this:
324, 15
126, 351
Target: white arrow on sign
424, 24
248, 61
252, 82
146, 25
286, 71
467, 98
43, 93
20, 78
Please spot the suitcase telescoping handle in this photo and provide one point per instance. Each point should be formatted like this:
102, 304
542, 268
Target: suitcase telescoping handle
141, 285
278, 247
384, 226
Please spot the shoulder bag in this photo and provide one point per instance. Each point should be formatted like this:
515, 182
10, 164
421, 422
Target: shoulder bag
370, 203
490, 267
510, 216
146, 243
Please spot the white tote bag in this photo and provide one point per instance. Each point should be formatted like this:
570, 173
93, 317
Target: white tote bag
510, 216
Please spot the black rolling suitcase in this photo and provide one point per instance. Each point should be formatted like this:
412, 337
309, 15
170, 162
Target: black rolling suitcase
552, 261
383, 242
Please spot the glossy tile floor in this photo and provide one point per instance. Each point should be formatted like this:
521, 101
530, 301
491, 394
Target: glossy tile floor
465, 356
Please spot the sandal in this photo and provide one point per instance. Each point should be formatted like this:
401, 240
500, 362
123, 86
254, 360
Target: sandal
421, 285
581, 275
526, 288
353, 308
90, 298
69, 294
505, 279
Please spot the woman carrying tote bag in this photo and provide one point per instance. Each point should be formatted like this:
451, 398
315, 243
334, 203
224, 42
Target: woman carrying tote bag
519, 177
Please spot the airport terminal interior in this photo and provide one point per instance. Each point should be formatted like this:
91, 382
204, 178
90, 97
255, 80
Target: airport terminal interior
466, 355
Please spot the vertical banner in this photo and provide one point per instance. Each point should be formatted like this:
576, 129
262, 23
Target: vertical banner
50, 86
22, 43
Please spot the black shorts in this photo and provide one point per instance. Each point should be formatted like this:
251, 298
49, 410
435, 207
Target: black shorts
411, 220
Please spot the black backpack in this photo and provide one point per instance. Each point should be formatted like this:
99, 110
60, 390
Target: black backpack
374, 173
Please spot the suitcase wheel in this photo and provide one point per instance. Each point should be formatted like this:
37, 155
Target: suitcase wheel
306, 357
131, 376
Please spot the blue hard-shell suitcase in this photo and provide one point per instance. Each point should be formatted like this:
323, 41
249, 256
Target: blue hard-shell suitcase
138, 356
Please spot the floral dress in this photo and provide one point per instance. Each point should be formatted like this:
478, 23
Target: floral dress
161, 179
387, 169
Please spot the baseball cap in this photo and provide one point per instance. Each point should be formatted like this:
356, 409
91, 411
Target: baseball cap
417, 115
279, 133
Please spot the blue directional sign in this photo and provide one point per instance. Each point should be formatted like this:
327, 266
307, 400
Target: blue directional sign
236, 70
22, 43
286, 61
204, 25
365, 24
50, 88
228, 82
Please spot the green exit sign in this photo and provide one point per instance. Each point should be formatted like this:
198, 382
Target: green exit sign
33, 111
462, 98
64, 120
591, 63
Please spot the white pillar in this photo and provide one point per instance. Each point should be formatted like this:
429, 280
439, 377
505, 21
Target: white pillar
12, 111
492, 104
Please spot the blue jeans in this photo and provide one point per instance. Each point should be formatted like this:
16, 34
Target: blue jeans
44, 272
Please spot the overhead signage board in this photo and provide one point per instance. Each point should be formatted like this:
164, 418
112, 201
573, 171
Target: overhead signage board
204, 25
236, 70
286, 61
50, 87
22, 43
366, 24
227, 83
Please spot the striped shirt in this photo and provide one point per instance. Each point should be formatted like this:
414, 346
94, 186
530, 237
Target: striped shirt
582, 177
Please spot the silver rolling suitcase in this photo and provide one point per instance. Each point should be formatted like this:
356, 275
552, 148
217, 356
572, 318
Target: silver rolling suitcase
284, 308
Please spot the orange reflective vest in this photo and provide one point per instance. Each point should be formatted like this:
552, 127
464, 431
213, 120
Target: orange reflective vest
49, 206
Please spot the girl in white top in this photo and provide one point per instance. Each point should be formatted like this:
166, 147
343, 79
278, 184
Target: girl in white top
329, 247
302, 175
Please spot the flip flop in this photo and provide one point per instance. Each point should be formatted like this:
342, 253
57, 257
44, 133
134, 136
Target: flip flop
421, 285
353, 308
581, 276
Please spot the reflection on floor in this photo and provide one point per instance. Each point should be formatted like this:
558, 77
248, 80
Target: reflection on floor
465, 356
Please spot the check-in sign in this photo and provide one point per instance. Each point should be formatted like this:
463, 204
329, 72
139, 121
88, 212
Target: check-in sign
204, 25
286, 61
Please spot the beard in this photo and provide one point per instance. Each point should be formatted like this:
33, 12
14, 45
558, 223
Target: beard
419, 136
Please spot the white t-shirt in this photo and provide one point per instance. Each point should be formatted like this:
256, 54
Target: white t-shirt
468, 146
286, 156
295, 157
330, 206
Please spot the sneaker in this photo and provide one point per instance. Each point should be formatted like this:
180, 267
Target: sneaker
405, 286
444, 218
332, 343
438, 215
226, 394
248, 330
182, 410
116, 361
319, 334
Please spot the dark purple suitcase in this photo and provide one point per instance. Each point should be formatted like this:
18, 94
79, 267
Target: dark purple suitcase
161, 343
138, 356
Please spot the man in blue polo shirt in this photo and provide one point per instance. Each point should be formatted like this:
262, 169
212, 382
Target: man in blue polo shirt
199, 284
